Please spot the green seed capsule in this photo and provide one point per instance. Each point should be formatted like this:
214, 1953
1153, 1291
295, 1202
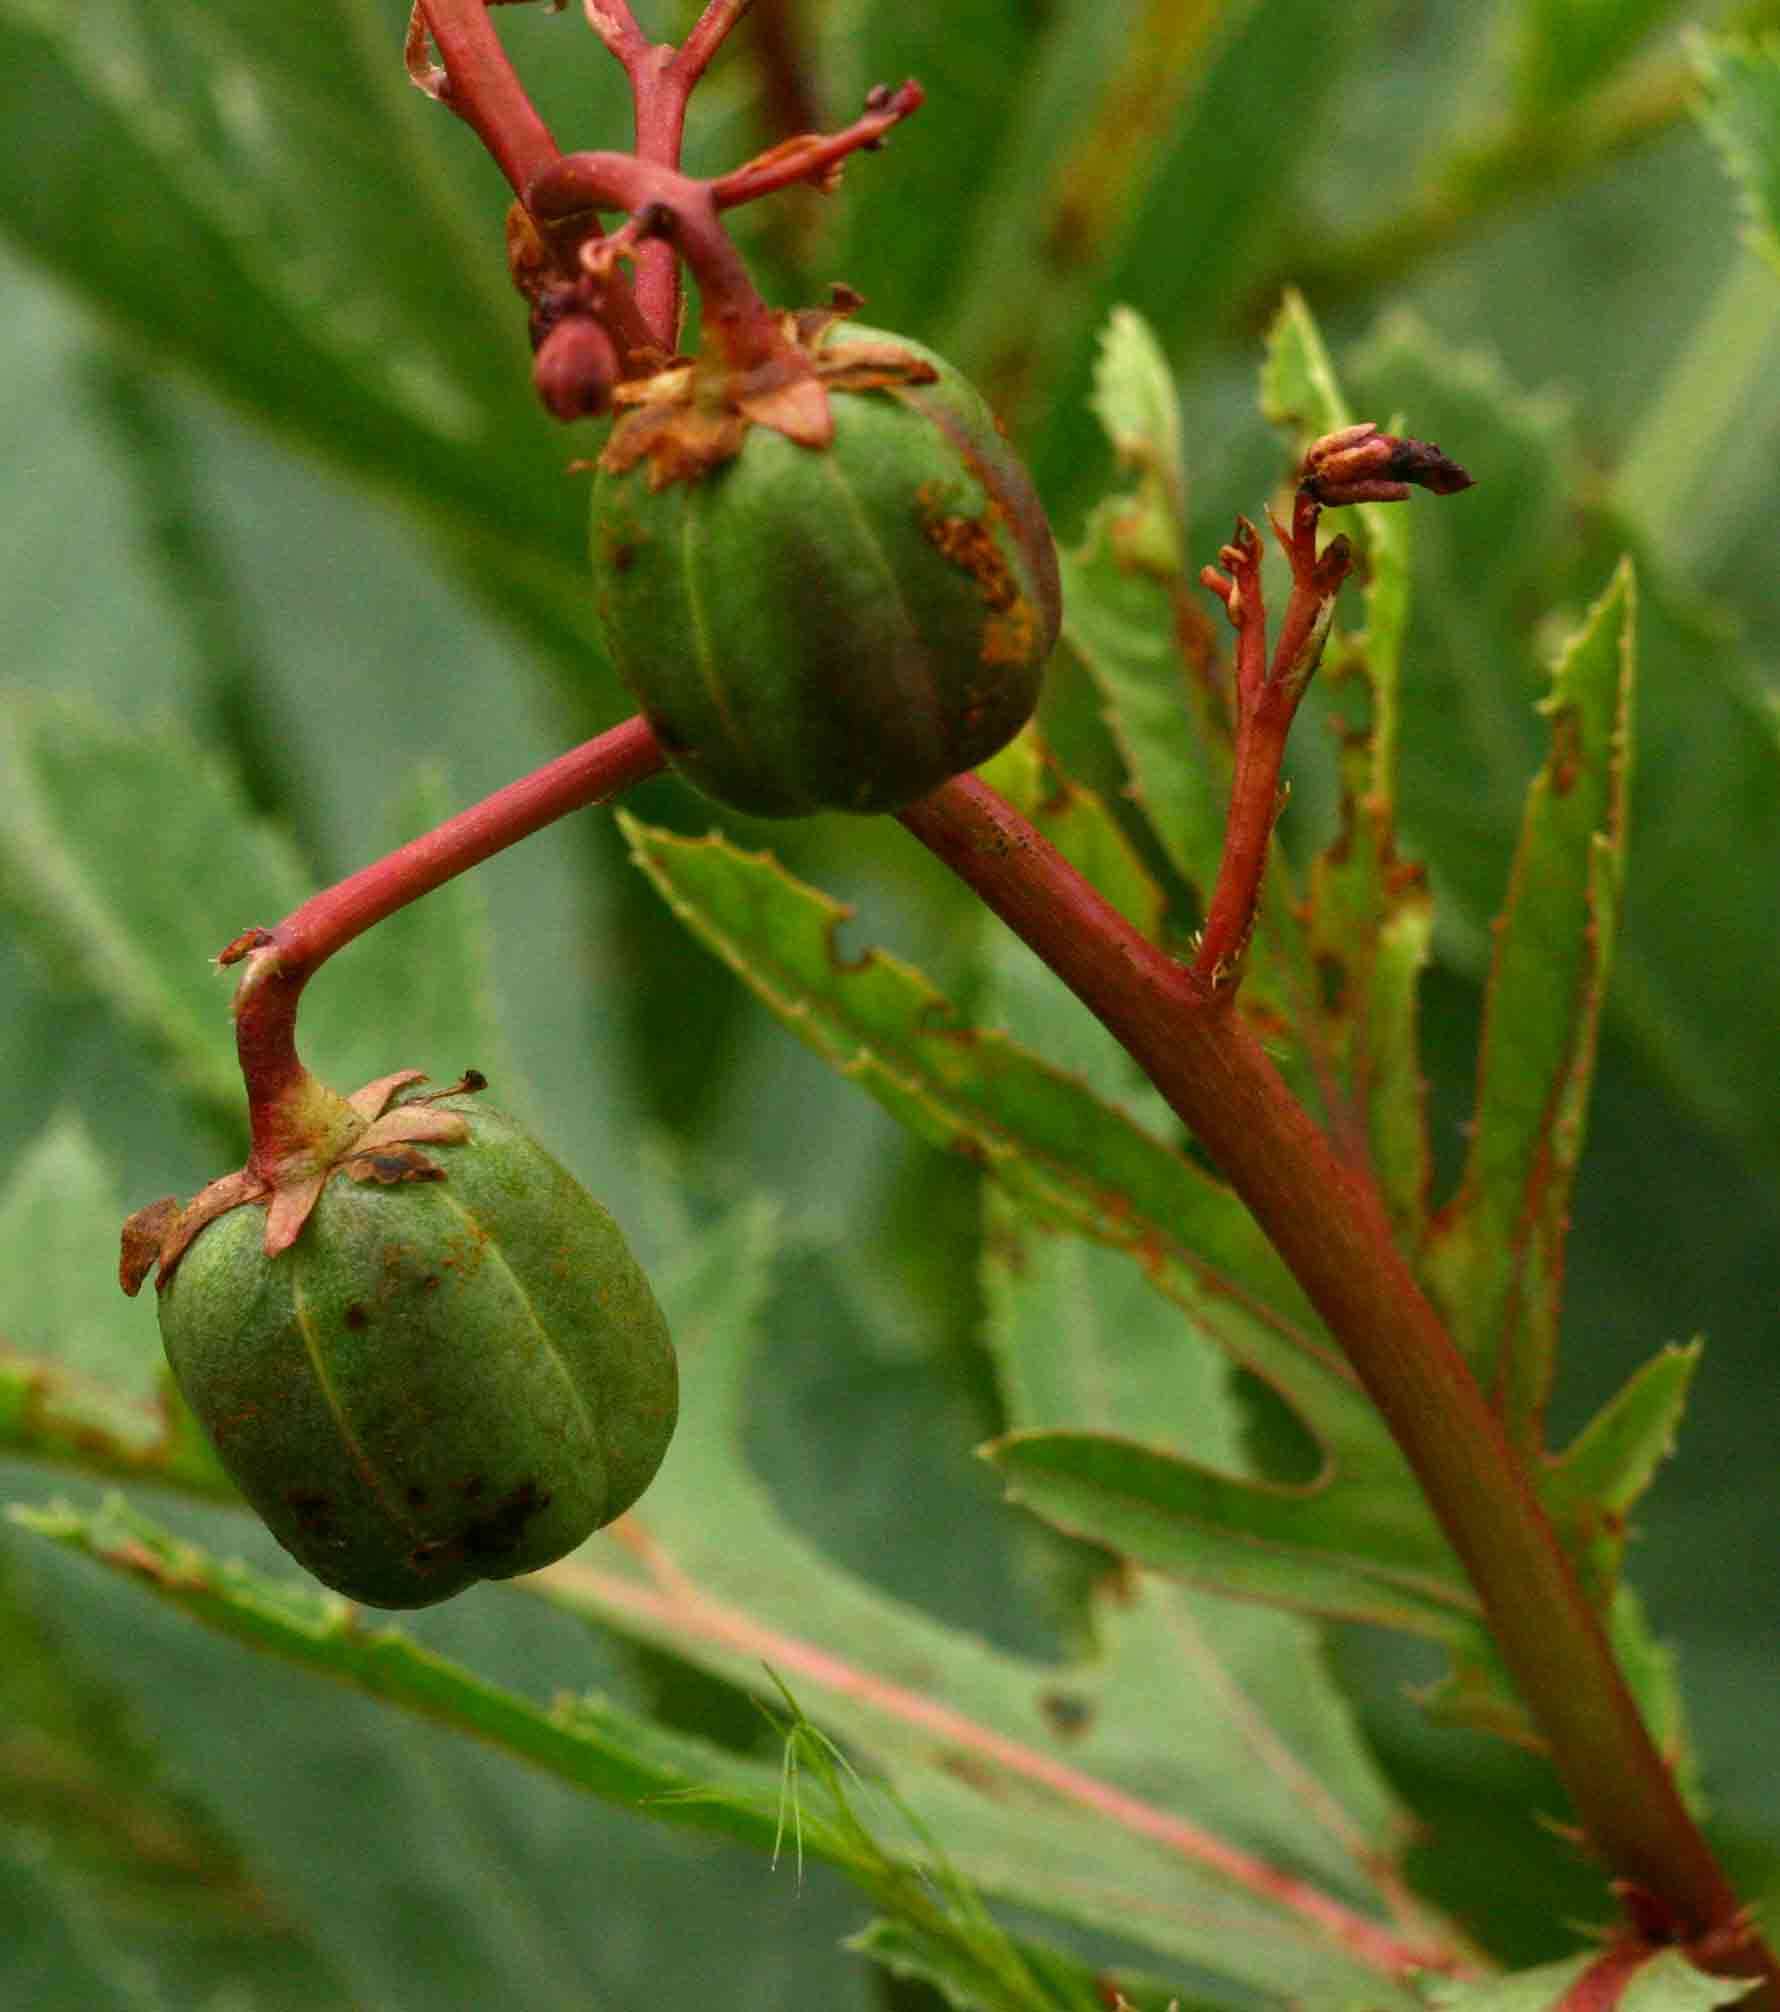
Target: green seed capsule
833, 628
440, 1381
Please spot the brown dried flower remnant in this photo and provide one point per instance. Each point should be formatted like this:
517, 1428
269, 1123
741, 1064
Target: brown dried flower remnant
1360, 464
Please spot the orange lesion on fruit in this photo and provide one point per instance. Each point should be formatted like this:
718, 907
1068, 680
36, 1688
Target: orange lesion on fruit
1010, 635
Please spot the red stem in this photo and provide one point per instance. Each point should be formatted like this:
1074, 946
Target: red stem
662, 80
281, 961
484, 91
1267, 699
1328, 1223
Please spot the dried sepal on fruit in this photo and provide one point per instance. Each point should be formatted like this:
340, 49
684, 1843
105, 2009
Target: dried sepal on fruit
450, 1369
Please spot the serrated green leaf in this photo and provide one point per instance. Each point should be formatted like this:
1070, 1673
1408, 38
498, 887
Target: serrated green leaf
1565, 48
1496, 1256
1370, 918
1741, 111
962, 1733
1590, 1491
1065, 1156
128, 860
1663, 1982
1592, 1487
59, 1218
586, 1741
879, 1021
157, 1907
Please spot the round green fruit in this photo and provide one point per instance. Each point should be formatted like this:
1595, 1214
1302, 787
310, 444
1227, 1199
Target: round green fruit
841, 627
442, 1380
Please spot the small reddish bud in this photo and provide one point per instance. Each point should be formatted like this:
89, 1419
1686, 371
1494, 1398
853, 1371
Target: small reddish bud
575, 369
1360, 464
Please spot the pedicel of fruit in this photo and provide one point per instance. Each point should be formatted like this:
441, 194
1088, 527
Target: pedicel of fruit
426, 1357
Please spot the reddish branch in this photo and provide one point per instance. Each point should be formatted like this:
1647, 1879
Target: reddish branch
1267, 697
281, 961
477, 82
682, 215
1330, 1226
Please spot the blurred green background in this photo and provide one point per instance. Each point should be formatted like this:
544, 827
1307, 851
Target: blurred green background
273, 477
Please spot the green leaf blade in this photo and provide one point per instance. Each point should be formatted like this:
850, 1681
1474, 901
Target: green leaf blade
1370, 916
1663, 1981
128, 860
1497, 1255
1741, 112
1566, 48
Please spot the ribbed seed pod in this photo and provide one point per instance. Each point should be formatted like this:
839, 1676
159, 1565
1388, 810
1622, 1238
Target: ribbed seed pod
835, 628
442, 1380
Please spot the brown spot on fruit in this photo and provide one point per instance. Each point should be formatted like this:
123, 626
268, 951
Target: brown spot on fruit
313, 1510
495, 1535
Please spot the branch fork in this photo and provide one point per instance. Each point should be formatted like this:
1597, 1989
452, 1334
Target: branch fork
590, 329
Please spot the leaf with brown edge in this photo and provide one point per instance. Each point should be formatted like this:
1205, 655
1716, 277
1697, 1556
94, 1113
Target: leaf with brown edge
1495, 1255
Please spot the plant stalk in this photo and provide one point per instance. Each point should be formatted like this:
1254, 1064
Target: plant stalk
281, 961
1329, 1225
